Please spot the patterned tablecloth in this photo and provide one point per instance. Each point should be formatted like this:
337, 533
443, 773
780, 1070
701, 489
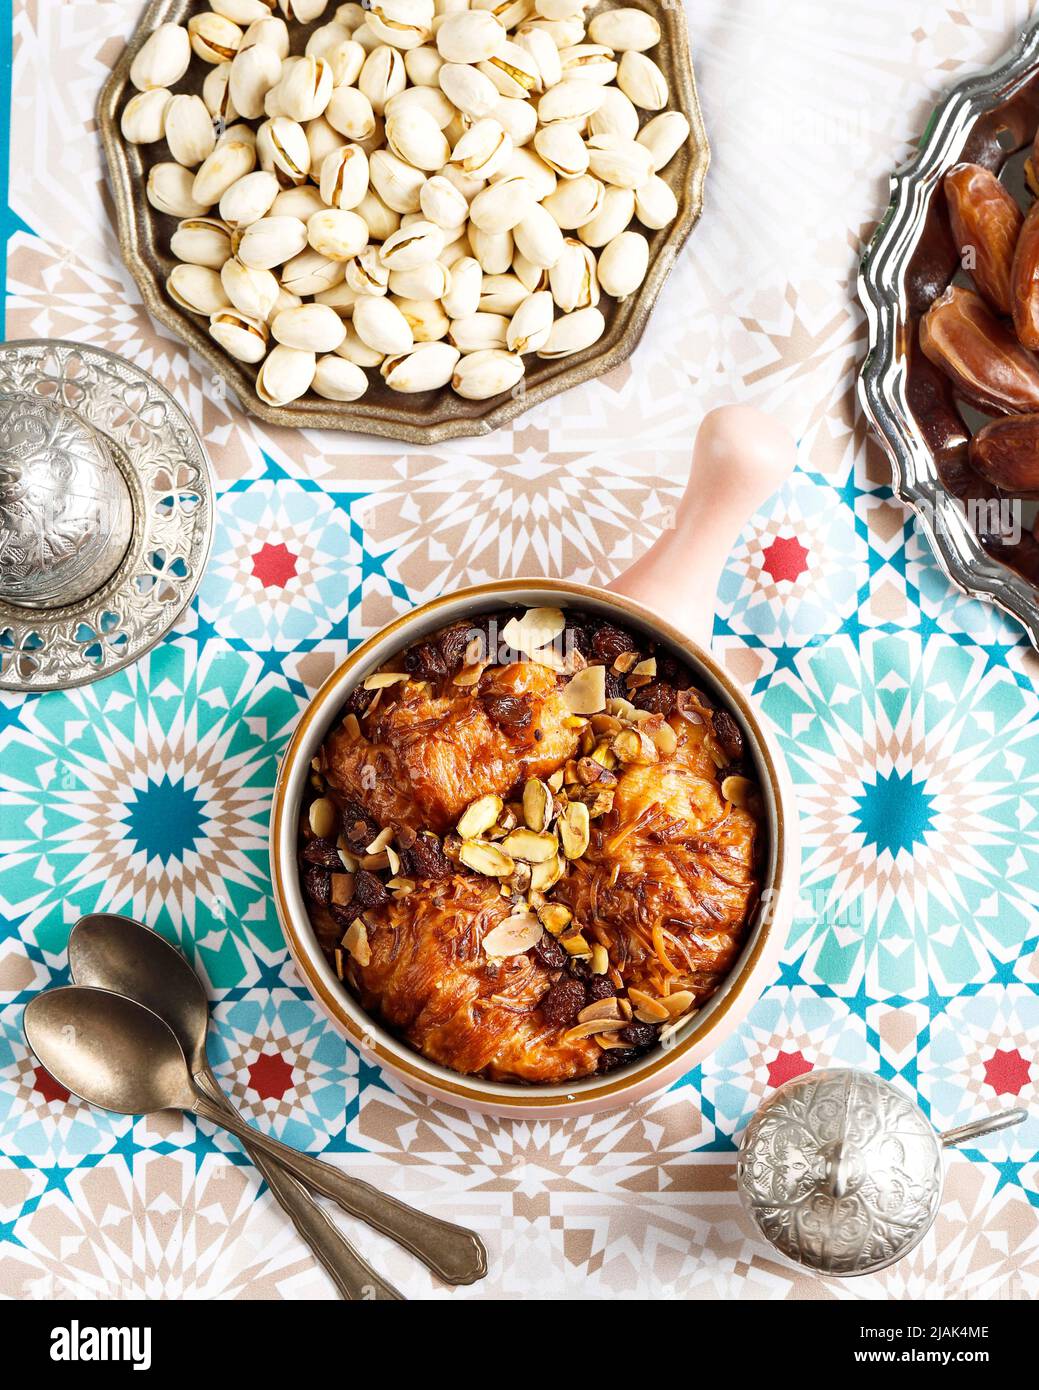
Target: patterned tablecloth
909, 716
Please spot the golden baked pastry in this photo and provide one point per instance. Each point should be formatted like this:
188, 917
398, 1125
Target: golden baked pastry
532, 846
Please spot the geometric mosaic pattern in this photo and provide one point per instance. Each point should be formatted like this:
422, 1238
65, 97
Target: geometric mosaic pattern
908, 714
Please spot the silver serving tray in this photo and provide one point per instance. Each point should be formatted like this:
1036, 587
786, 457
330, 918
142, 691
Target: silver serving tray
989, 119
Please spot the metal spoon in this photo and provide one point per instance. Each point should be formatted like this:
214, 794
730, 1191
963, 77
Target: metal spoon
119, 954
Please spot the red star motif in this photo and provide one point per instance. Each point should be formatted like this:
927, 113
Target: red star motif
274, 565
785, 558
1007, 1072
270, 1076
786, 1066
48, 1088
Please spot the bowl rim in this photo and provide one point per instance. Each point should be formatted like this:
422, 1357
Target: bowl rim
399, 1056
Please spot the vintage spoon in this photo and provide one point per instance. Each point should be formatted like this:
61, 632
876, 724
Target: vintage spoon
119, 954
115, 1053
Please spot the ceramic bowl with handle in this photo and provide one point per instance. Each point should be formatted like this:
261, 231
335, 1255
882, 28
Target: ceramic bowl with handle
740, 458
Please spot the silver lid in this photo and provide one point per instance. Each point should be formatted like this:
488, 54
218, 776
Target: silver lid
841, 1171
65, 511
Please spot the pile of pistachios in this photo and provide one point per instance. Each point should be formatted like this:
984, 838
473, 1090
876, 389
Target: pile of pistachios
433, 189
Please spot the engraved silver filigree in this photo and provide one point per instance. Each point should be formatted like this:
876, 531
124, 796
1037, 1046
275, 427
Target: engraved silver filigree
841, 1172
883, 293
161, 462
65, 512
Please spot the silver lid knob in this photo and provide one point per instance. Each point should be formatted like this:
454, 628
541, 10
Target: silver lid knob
843, 1173
66, 515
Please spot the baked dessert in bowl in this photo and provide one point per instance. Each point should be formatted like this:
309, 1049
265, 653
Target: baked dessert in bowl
532, 848
531, 845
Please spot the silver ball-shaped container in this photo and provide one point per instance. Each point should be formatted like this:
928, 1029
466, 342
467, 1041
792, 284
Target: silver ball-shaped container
843, 1173
66, 516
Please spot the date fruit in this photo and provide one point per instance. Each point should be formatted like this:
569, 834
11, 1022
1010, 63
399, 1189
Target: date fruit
1006, 452
986, 224
1024, 282
986, 364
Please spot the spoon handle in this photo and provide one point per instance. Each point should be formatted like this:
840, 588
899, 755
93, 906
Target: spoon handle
454, 1254
350, 1272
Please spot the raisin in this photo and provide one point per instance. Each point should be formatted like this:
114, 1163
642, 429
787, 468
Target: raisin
323, 852
638, 1034
615, 687
369, 891
563, 1002
453, 644
608, 643
509, 712
577, 639
317, 884
728, 733
598, 987
549, 952
358, 827
342, 916
358, 700
656, 697
425, 661
426, 859
617, 1057
675, 672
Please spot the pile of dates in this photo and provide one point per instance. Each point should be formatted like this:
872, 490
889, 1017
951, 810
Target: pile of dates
984, 339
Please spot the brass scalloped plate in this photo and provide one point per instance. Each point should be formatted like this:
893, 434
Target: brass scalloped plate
433, 416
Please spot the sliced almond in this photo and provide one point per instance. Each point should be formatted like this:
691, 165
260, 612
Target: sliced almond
645, 668
576, 945
738, 790
381, 840
324, 818
554, 917
537, 628
513, 936
608, 1041
547, 875
469, 676
533, 846
339, 962
393, 859
648, 1009
352, 728
621, 709
383, 679
574, 830
624, 662
556, 780
375, 862
479, 816
548, 656
537, 804
400, 886
485, 858
356, 942
596, 1025
342, 889
350, 861
610, 1008
664, 738
600, 960
677, 1003
586, 693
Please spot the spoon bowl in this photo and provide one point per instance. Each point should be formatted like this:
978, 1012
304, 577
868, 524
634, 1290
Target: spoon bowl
109, 1051
116, 953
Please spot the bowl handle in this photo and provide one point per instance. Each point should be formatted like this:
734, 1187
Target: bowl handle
740, 458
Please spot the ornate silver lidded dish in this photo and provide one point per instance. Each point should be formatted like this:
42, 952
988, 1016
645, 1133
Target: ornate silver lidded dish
843, 1173
65, 512
988, 118
106, 514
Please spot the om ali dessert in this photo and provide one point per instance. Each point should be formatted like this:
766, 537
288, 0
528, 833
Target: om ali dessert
532, 847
